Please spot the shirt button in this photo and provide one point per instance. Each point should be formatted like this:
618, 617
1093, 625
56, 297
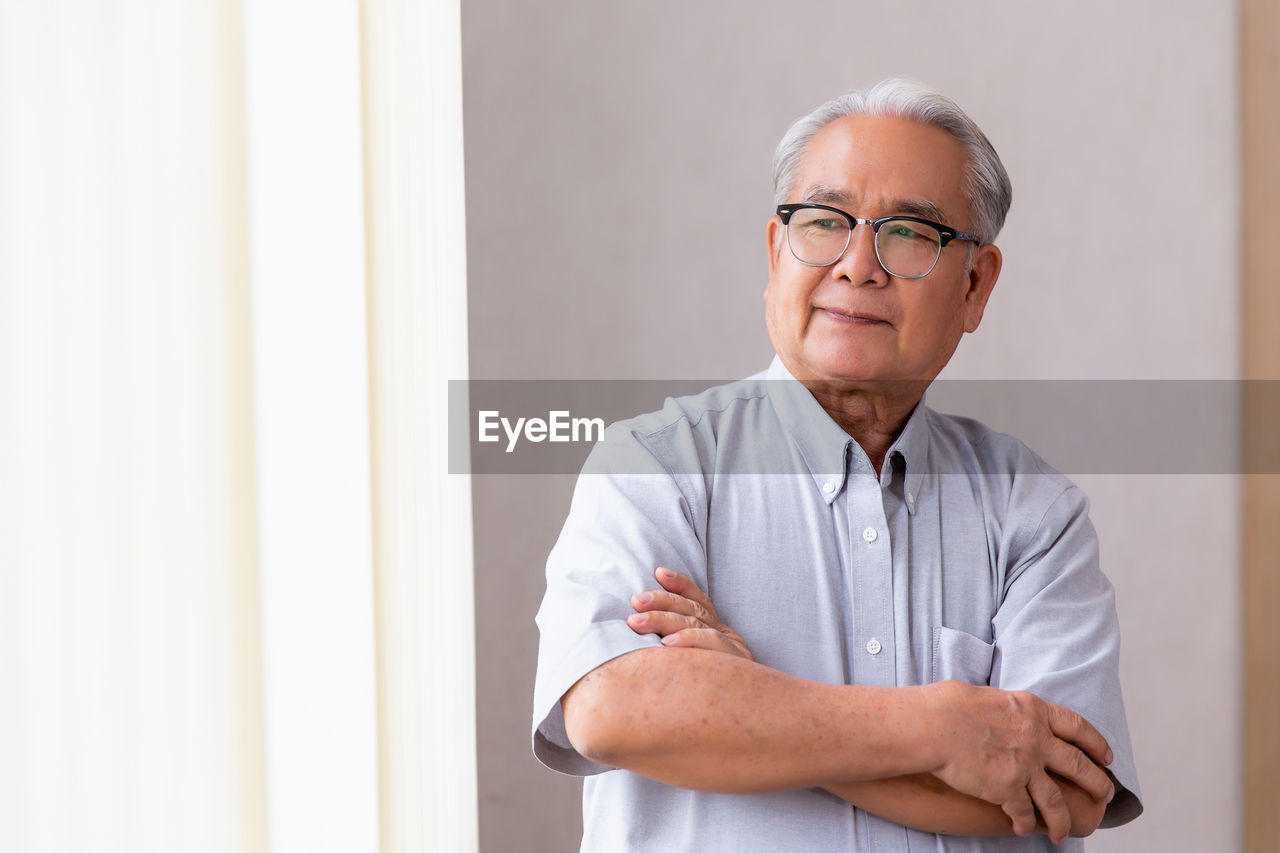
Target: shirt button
870, 535
828, 488
873, 646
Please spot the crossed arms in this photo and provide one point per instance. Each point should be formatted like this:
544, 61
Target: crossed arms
951, 758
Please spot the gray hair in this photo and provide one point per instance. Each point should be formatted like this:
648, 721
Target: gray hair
986, 183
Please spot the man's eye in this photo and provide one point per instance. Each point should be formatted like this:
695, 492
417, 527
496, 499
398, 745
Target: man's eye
911, 232
826, 224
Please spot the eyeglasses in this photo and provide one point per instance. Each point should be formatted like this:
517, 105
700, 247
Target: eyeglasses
907, 246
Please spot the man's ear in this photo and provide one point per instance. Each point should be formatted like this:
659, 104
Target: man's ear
983, 272
774, 231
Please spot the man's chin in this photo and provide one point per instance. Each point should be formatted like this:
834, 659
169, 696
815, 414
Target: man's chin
879, 382
858, 368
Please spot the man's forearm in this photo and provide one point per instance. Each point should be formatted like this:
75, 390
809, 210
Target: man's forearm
922, 801
989, 756
714, 722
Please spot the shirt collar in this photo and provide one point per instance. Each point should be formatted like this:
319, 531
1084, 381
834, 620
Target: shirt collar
830, 453
822, 443
913, 445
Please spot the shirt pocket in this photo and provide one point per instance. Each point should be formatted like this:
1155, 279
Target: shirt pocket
958, 656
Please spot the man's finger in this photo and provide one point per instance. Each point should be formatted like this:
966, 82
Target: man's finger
701, 638
1052, 805
1073, 765
660, 599
1021, 812
683, 585
662, 622
1072, 727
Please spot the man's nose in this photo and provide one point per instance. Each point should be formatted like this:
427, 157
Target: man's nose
859, 263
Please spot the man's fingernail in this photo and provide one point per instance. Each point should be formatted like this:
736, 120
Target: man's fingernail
1111, 795
669, 640
1109, 756
643, 597
635, 618
665, 572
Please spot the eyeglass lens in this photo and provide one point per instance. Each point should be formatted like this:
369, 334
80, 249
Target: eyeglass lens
906, 249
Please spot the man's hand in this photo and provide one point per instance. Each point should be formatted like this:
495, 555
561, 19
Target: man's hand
1002, 747
684, 616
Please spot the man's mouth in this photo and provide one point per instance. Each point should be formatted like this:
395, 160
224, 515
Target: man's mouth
855, 318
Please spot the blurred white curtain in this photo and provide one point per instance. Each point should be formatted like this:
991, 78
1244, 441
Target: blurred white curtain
418, 335
131, 717
208, 466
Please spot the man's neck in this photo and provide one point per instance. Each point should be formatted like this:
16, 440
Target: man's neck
873, 412
874, 420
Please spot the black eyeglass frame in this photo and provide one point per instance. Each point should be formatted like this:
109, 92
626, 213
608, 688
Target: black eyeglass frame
945, 233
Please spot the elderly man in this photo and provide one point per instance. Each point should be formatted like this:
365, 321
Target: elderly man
876, 627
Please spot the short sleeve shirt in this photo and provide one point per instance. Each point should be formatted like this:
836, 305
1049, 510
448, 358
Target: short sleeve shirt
967, 557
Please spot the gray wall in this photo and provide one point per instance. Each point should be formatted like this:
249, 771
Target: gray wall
589, 128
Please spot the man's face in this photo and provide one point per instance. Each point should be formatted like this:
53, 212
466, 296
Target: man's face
852, 321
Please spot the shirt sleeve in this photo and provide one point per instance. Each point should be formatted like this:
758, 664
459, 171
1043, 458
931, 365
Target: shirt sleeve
1057, 635
628, 516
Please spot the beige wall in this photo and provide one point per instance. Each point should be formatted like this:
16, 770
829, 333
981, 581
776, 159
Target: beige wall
589, 129
1260, 89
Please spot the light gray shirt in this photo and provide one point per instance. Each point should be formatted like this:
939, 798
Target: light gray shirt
967, 558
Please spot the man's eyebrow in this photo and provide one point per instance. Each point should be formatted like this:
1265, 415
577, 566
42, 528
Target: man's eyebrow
819, 194
923, 208
918, 207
